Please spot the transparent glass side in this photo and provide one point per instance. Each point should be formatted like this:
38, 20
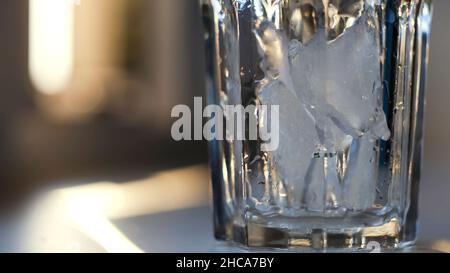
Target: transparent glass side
348, 76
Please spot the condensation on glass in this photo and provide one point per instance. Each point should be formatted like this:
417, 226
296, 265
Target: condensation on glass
348, 76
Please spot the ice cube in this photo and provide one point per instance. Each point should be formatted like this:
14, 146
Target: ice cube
330, 115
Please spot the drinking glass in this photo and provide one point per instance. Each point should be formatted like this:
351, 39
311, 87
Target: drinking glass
348, 77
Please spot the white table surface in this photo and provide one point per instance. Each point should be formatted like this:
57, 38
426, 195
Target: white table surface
166, 212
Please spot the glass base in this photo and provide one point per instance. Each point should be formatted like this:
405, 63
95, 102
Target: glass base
260, 232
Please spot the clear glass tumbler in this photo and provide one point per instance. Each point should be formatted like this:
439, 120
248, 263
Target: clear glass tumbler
348, 77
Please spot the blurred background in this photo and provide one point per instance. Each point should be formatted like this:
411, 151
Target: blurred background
86, 157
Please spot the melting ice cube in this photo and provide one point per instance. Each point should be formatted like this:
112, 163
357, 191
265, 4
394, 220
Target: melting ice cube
331, 116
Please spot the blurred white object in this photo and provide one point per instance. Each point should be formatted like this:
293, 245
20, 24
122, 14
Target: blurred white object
80, 218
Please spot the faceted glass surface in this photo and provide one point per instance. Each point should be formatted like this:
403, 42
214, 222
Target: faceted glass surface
348, 77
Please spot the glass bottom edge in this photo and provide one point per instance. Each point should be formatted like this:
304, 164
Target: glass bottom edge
383, 238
